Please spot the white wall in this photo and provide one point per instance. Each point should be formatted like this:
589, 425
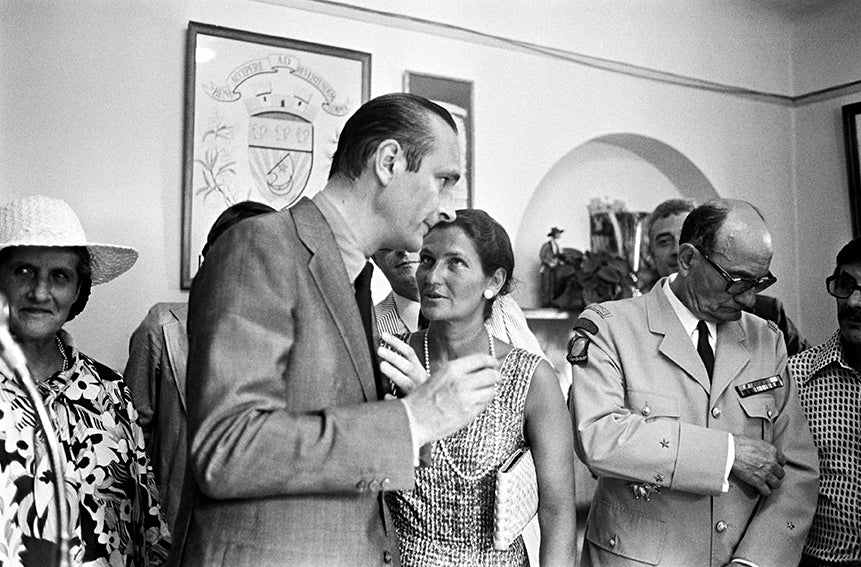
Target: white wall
92, 112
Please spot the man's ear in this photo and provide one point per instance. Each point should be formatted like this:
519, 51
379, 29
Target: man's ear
686, 256
386, 159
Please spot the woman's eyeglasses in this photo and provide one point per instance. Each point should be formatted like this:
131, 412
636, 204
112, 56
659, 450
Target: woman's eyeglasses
736, 285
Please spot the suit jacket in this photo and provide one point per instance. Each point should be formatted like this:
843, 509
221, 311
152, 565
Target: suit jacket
647, 420
155, 374
288, 445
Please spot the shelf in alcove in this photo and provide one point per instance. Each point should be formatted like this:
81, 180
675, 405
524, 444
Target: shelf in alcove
547, 313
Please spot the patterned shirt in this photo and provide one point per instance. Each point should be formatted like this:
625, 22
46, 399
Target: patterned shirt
113, 505
830, 393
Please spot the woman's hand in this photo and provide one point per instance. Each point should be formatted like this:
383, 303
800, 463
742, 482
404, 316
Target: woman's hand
399, 363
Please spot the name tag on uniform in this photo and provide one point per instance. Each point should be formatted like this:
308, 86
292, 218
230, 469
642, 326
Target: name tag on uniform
759, 386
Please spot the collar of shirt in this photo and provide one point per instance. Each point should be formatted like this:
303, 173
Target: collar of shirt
830, 352
686, 317
408, 310
345, 236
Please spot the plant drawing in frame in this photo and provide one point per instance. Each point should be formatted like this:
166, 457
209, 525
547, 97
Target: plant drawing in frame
852, 138
455, 96
262, 119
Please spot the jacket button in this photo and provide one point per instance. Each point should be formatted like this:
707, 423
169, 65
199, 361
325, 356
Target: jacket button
715, 413
612, 541
720, 527
361, 486
387, 556
646, 410
374, 485
385, 484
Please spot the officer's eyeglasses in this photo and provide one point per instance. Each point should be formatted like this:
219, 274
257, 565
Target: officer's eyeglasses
841, 286
736, 285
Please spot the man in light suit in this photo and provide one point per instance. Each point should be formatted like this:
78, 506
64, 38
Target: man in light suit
291, 442
683, 408
155, 374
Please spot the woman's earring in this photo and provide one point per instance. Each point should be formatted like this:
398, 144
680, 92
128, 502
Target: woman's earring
488, 294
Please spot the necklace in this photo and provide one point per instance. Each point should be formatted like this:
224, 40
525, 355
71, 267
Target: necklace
63, 354
441, 443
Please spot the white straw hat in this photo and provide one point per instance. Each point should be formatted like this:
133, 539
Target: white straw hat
37, 220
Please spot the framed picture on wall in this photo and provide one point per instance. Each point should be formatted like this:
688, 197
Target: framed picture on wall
851, 131
262, 120
454, 95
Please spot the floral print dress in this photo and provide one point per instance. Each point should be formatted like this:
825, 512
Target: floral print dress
115, 519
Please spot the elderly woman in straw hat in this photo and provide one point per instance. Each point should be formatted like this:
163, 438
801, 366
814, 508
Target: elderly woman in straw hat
47, 267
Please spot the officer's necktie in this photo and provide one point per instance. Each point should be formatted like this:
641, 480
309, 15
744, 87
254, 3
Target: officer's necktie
366, 308
704, 348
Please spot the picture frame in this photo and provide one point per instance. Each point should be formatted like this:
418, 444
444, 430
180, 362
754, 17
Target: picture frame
262, 120
851, 133
455, 95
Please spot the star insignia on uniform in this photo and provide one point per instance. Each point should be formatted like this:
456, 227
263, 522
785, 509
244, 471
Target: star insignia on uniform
790, 525
665, 444
659, 478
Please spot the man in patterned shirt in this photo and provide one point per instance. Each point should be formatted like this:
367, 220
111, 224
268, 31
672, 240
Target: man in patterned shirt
399, 312
829, 378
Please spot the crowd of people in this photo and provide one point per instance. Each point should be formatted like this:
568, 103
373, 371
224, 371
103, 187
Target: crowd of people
280, 418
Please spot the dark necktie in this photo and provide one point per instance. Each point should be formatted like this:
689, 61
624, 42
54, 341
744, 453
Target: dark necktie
366, 309
704, 348
423, 321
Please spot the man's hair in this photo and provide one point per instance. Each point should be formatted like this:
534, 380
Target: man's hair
403, 117
703, 223
849, 254
669, 208
232, 215
492, 243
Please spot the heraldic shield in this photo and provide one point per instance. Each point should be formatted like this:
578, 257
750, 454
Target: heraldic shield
280, 154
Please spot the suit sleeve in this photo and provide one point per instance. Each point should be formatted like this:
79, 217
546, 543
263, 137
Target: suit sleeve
614, 441
262, 422
142, 371
778, 529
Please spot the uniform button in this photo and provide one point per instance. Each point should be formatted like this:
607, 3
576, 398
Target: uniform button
374, 485
385, 484
715, 413
361, 486
720, 527
387, 556
612, 541
646, 410
770, 412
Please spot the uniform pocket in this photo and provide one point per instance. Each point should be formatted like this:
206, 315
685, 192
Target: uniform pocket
761, 412
626, 533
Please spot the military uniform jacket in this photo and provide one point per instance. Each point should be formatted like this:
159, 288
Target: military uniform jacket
654, 430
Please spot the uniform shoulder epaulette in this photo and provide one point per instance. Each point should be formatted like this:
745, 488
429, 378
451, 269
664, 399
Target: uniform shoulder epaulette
773, 326
602, 311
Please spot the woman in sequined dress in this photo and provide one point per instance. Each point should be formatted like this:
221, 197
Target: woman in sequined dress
47, 268
448, 518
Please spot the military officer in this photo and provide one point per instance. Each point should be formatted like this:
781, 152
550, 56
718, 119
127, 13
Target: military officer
683, 408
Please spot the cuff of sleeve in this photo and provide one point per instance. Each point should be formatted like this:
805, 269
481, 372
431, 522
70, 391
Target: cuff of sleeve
730, 459
411, 420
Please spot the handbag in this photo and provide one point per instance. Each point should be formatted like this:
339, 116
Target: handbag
516, 501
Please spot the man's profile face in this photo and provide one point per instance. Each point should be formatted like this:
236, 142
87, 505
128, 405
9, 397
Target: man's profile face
664, 243
849, 309
743, 252
415, 201
399, 267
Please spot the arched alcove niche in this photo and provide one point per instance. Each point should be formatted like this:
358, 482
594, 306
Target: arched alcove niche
637, 170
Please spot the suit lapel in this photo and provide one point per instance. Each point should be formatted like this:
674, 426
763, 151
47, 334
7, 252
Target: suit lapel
176, 341
731, 356
327, 269
675, 344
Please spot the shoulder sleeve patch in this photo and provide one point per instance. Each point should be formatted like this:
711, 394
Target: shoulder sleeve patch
587, 325
578, 349
602, 311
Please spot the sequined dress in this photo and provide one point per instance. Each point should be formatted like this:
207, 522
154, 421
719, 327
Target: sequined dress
448, 518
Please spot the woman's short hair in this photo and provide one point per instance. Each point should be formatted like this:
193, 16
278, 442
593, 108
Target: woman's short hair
492, 243
403, 117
